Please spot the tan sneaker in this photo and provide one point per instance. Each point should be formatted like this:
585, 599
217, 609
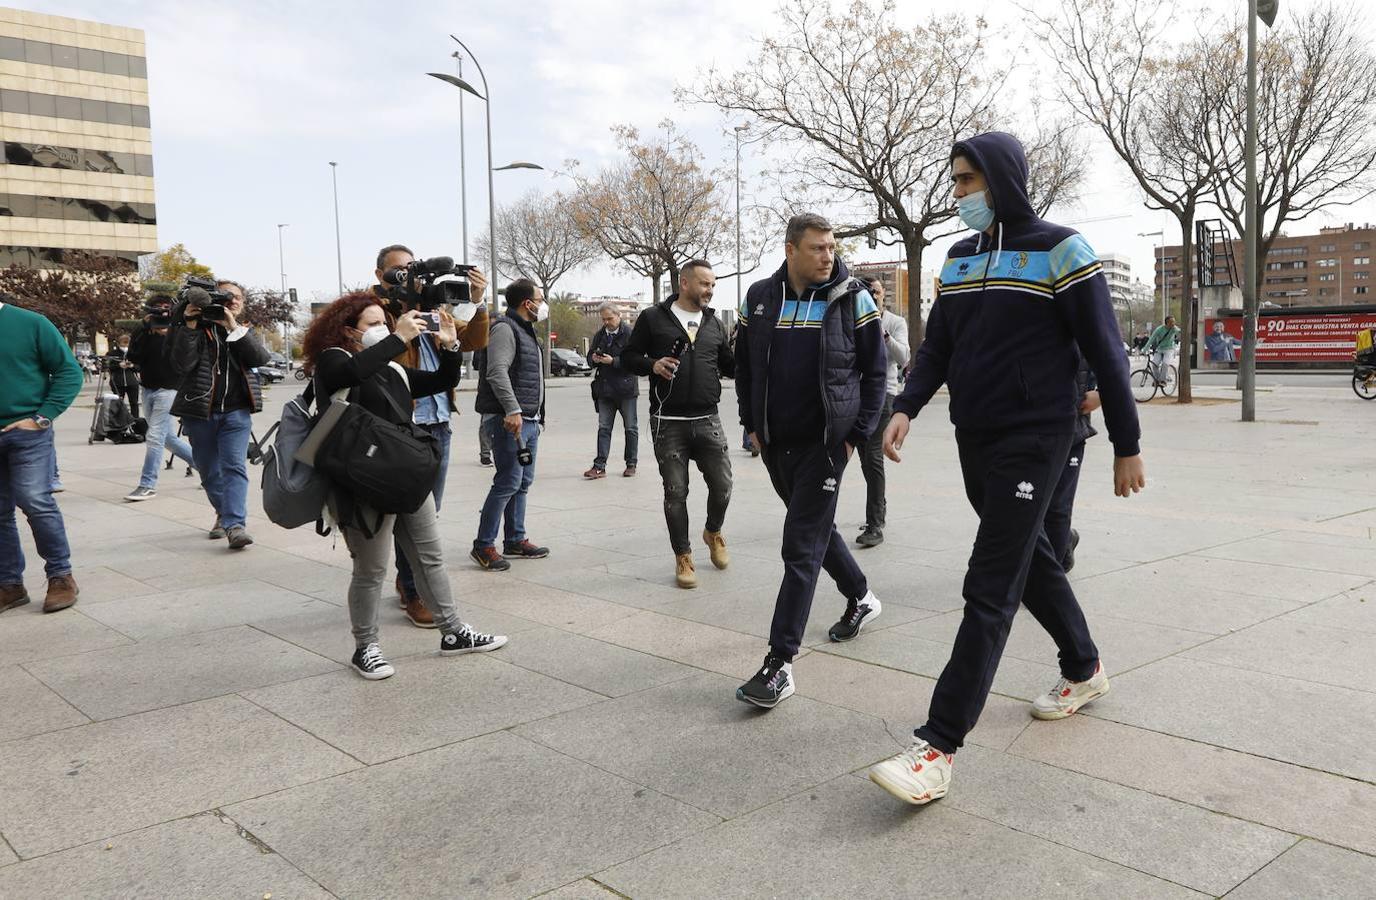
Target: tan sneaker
62, 592
418, 614
685, 574
716, 544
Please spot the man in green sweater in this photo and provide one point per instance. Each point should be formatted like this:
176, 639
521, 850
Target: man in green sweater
39, 379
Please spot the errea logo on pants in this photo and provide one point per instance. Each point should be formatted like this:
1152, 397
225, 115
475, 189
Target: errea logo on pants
1024, 491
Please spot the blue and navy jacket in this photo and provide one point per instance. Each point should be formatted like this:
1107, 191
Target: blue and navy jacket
809, 362
1014, 314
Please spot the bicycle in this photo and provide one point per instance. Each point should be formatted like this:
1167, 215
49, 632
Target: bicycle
1364, 381
1147, 380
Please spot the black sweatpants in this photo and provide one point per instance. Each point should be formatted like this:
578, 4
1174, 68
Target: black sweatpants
808, 480
872, 467
1058, 515
1009, 479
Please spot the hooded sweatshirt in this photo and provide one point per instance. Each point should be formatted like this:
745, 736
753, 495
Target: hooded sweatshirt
1013, 314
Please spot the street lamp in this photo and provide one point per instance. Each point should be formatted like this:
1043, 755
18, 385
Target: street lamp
463, 168
739, 277
1161, 253
281, 257
338, 252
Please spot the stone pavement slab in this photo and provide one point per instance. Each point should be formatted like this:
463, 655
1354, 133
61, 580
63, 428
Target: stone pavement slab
177, 670
1353, 610
583, 889
496, 816
850, 836
1183, 844
691, 643
607, 669
1239, 709
6, 854
28, 706
1135, 596
694, 741
204, 608
32, 635
1250, 787
199, 856
96, 780
430, 702
1314, 871
1282, 646
1242, 577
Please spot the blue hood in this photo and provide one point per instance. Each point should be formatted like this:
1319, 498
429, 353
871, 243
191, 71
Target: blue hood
1001, 159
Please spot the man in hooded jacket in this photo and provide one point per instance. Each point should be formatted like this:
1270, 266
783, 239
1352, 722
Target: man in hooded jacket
1019, 302
810, 375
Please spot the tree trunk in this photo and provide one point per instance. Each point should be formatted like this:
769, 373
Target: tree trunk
656, 291
913, 245
673, 278
548, 290
1184, 393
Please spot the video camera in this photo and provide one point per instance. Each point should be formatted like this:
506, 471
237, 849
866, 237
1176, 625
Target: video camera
201, 293
428, 284
158, 311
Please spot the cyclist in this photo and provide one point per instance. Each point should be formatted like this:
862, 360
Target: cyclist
1162, 345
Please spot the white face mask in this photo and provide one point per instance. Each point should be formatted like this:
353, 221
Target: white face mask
373, 335
542, 313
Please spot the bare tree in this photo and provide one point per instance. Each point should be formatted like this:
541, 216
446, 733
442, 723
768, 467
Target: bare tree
1316, 122
658, 208
91, 294
1156, 104
871, 110
538, 238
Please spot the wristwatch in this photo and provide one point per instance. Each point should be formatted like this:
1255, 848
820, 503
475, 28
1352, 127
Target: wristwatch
43, 421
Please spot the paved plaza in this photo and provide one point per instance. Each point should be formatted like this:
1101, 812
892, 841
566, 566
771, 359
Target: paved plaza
191, 728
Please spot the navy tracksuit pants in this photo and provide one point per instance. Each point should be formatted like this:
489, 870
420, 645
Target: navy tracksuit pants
1058, 515
808, 479
1009, 479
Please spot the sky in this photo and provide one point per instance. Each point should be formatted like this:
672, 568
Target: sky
251, 101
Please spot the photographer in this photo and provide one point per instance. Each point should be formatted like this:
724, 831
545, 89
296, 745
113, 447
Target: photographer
147, 351
351, 345
213, 357
124, 374
432, 412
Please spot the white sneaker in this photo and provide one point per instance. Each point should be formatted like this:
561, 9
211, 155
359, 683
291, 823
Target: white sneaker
1068, 697
918, 775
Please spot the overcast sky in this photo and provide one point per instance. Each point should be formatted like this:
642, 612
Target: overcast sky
250, 101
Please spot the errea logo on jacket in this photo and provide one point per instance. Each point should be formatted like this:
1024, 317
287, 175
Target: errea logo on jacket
1024, 491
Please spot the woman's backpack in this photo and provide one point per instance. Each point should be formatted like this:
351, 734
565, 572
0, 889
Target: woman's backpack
294, 493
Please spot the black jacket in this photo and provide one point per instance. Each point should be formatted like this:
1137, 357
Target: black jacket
696, 389
368, 370
853, 364
121, 378
1084, 383
613, 380
147, 350
214, 374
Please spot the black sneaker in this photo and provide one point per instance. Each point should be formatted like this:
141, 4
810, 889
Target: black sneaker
369, 663
489, 559
1069, 562
484, 459
466, 640
858, 612
872, 536
524, 550
772, 685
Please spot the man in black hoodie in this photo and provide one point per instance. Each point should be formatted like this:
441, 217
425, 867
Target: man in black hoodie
1018, 304
810, 369
684, 348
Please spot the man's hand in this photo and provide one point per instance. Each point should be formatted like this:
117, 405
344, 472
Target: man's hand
756, 442
602, 359
665, 367
895, 434
410, 325
477, 285
1129, 475
512, 423
448, 333
1091, 402
22, 425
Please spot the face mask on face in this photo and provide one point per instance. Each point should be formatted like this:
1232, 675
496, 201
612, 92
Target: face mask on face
542, 313
373, 335
975, 211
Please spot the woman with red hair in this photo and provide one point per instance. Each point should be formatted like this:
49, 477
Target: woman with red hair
350, 346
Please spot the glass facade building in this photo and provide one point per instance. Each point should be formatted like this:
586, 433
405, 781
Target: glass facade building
76, 151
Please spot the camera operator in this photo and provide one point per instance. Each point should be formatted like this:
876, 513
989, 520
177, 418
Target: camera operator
124, 374
213, 356
432, 412
146, 350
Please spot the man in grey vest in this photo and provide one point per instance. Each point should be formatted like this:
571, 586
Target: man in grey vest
511, 397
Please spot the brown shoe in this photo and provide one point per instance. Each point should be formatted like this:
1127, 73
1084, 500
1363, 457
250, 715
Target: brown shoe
401, 595
62, 592
12, 595
716, 545
629, 473
686, 575
595, 473
418, 614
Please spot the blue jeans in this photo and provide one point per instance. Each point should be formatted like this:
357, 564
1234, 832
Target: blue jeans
445, 436
219, 447
607, 409
158, 405
26, 472
506, 499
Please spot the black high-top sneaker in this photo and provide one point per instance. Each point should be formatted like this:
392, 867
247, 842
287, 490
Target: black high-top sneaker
466, 640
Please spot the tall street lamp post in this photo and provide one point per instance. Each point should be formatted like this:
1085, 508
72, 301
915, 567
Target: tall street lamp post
281, 257
463, 167
739, 276
338, 251
1160, 264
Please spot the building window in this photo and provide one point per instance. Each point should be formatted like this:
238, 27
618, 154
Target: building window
77, 210
1326, 263
1329, 277
1361, 260
1289, 251
1325, 292
1328, 248
1361, 276
62, 56
1362, 245
1361, 290
109, 112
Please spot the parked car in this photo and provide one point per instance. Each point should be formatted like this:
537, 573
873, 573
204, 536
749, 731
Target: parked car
270, 374
568, 362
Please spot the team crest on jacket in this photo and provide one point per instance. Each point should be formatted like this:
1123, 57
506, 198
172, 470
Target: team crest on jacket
1024, 491
1020, 261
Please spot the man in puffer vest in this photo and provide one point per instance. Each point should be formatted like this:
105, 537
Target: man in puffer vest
810, 371
1018, 303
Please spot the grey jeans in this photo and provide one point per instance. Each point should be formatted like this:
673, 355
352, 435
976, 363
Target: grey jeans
418, 536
